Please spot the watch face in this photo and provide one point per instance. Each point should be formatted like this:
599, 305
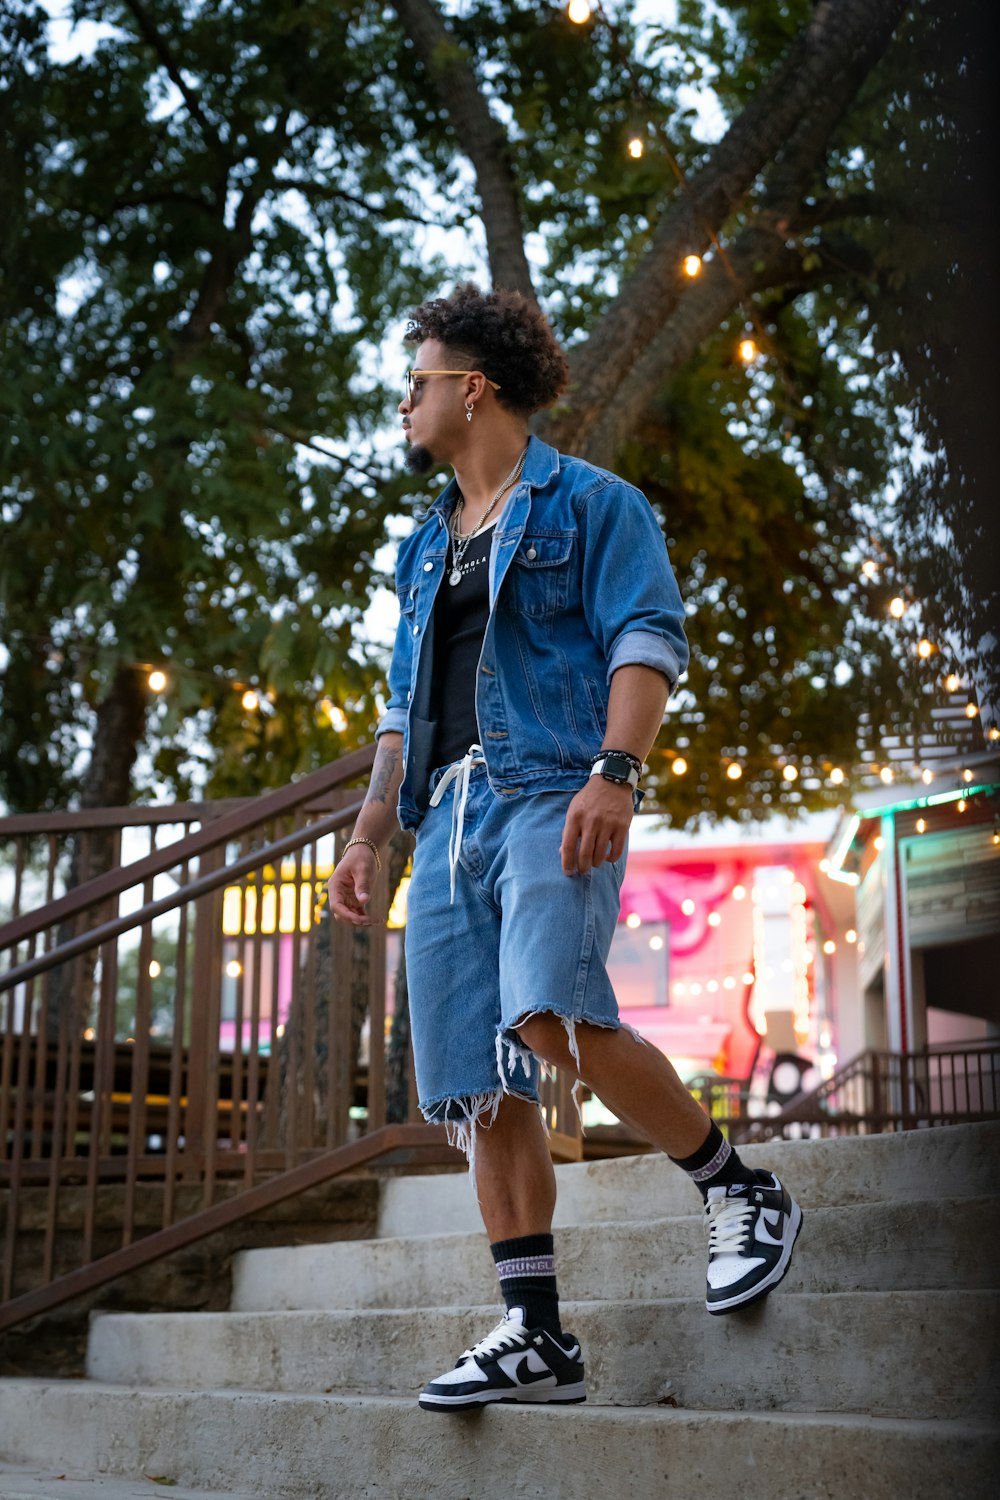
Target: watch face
616, 768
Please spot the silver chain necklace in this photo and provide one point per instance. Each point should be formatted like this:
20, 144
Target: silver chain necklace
460, 544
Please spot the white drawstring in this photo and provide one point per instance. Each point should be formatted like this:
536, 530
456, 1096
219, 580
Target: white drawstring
458, 772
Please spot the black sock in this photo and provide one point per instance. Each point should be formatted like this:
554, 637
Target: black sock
714, 1164
527, 1271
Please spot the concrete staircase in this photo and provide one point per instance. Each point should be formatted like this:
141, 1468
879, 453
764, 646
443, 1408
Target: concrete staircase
871, 1374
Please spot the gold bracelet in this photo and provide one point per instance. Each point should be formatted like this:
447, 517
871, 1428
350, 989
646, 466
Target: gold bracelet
371, 846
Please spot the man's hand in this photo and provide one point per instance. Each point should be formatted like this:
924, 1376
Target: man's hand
597, 824
351, 885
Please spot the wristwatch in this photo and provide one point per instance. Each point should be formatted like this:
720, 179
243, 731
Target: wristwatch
617, 766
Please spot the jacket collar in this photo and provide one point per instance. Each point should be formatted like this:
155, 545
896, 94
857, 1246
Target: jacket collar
541, 463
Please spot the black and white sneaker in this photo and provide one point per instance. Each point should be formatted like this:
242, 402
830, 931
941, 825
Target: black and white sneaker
752, 1229
513, 1363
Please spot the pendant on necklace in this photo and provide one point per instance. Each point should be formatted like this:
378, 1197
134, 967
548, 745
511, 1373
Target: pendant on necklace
455, 576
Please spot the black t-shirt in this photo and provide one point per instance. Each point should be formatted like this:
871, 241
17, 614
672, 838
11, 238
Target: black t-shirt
460, 614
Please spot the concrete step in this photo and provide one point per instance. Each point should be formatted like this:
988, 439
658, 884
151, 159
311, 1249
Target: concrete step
286, 1447
954, 1161
908, 1354
46, 1483
866, 1247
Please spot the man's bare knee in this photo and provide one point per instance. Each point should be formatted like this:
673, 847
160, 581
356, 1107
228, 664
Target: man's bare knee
546, 1035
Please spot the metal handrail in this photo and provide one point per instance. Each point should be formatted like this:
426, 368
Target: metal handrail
225, 875
230, 826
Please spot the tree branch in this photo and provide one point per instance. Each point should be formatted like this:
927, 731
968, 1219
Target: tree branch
482, 138
617, 370
154, 37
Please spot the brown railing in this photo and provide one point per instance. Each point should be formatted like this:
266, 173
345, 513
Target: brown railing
880, 1091
189, 1015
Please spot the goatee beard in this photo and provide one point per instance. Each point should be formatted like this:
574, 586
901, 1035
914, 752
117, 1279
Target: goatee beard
419, 460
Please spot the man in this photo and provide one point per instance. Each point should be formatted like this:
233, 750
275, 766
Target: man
541, 630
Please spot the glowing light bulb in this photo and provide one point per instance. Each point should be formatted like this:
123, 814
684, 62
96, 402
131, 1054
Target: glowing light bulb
712, 986
578, 12
789, 773
747, 350
962, 804
869, 568
633, 920
837, 776
636, 147
692, 265
688, 907
952, 682
729, 983
739, 893
734, 772
927, 776
921, 825
678, 765
656, 943
971, 710
924, 649
713, 919
249, 700
154, 969
829, 946
850, 936
157, 681
994, 733
897, 608
234, 968
966, 775
879, 842
748, 976
885, 775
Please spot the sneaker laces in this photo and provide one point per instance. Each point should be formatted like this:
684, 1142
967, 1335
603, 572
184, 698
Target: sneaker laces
506, 1335
729, 1221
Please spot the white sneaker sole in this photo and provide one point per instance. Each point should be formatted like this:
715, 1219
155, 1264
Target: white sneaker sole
528, 1396
772, 1278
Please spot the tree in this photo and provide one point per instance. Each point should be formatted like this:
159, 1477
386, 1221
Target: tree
228, 209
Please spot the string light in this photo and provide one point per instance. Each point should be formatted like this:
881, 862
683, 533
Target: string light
952, 682
739, 892
688, 907
578, 12
789, 773
713, 919
850, 936
966, 775
971, 710
921, 825
994, 733
734, 772
633, 920
157, 681
692, 265
885, 775
678, 765
234, 968
869, 569
636, 147
927, 776
924, 649
829, 946
879, 843
154, 969
837, 776
249, 700
747, 350
897, 608
961, 804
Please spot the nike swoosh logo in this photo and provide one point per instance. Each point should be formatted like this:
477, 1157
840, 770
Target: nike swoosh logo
525, 1375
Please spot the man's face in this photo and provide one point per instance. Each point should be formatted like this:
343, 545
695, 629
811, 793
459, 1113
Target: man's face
434, 418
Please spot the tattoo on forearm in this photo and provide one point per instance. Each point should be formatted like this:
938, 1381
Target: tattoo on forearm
383, 774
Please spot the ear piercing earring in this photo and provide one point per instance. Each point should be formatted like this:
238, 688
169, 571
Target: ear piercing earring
468, 413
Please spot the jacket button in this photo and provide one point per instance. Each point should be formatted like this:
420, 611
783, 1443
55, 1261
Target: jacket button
428, 567
416, 630
532, 554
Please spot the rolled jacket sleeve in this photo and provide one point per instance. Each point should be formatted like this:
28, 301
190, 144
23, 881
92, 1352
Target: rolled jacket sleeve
630, 595
393, 721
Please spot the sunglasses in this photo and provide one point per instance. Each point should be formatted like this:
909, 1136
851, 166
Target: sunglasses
413, 378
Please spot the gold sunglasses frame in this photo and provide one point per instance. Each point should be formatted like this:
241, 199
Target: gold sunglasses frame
411, 375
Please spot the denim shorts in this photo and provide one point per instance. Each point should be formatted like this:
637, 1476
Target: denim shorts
519, 937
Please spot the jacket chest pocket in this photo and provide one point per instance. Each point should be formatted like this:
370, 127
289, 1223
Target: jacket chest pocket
540, 573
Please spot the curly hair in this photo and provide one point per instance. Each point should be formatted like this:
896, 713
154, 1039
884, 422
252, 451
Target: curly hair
501, 333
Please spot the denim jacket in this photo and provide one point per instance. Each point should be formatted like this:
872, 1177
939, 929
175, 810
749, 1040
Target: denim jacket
579, 585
